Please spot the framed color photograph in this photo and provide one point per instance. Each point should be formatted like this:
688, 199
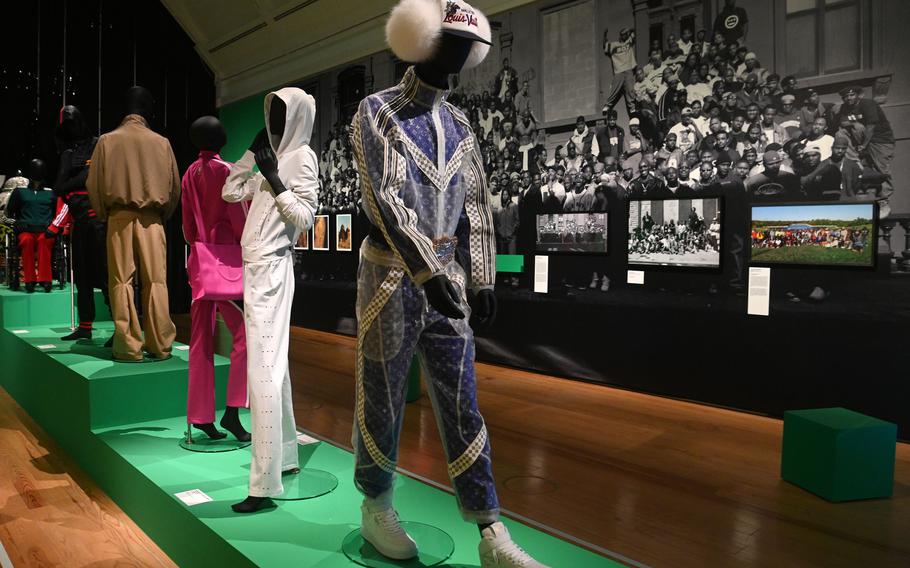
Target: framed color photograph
321, 233
829, 234
343, 237
572, 232
675, 232
303, 241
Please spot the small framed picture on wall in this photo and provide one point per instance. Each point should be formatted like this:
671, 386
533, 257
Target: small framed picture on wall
303, 241
321, 233
343, 237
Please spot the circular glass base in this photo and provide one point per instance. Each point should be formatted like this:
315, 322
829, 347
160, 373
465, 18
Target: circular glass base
434, 546
204, 444
307, 484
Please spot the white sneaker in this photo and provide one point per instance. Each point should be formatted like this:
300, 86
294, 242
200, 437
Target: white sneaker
382, 529
498, 551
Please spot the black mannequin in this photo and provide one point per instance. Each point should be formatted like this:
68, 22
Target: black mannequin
76, 145
268, 166
36, 172
265, 156
450, 58
140, 101
207, 133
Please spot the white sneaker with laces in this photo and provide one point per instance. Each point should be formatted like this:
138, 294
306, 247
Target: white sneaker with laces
382, 529
498, 551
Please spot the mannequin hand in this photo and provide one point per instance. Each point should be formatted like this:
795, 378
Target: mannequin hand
48, 234
267, 162
443, 297
487, 307
259, 141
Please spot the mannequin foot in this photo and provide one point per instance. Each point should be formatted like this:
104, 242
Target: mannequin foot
110, 342
231, 422
381, 528
29, 287
292, 471
498, 550
210, 431
47, 287
80, 333
252, 504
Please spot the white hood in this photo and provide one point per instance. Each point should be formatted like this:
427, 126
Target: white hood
298, 121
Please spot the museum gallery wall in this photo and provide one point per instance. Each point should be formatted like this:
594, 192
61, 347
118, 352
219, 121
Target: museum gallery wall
687, 143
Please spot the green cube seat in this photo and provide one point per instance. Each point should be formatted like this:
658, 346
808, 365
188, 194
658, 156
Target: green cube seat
839, 454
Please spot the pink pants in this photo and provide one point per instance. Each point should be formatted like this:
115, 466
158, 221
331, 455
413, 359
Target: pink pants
201, 392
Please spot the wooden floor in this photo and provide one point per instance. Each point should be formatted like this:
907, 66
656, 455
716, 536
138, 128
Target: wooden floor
52, 513
663, 482
666, 483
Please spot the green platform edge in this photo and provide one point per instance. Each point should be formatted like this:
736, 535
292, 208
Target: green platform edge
121, 423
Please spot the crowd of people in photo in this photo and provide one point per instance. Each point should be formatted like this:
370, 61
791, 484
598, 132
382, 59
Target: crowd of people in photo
584, 229
707, 117
829, 237
339, 181
670, 237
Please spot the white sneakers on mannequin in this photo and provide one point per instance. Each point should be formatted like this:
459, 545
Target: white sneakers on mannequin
497, 550
380, 527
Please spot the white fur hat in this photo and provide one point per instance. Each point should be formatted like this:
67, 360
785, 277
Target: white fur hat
415, 26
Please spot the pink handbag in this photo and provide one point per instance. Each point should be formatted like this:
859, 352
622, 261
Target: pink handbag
215, 271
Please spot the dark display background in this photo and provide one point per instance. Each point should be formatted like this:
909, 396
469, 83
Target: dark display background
88, 53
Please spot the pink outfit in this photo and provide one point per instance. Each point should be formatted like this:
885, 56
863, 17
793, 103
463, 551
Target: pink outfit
223, 223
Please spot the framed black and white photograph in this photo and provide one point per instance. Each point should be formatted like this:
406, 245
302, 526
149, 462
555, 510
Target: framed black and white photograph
343, 237
675, 232
321, 233
572, 232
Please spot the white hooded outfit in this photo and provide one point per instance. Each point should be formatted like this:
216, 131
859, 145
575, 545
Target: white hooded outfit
272, 227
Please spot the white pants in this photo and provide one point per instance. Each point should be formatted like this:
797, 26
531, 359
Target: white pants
268, 290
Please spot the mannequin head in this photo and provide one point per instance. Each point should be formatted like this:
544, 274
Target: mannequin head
72, 125
140, 101
277, 117
207, 133
36, 172
441, 37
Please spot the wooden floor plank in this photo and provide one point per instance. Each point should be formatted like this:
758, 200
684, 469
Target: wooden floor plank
52, 514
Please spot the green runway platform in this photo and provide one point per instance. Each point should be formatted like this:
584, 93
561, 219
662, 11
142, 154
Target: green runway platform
122, 423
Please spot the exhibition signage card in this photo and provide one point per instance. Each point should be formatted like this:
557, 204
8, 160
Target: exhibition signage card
48, 346
193, 497
305, 440
759, 291
541, 273
20, 331
636, 277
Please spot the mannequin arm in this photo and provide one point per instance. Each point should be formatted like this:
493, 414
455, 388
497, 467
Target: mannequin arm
93, 183
174, 193
382, 170
241, 183
295, 188
187, 205
478, 232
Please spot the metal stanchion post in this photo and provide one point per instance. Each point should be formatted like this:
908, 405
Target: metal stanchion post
189, 433
69, 261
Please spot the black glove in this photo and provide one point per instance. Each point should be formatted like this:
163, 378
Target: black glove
442, 295
486, 307
260, 140
49, 234
267, 162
